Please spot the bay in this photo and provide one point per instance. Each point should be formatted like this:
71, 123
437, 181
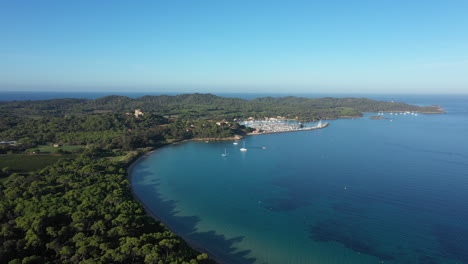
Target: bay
358, 191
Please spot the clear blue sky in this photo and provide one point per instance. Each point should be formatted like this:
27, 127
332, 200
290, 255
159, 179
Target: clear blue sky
235, 46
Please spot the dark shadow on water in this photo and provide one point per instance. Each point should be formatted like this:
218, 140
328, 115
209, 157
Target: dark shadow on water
349, 235
428, 260
298, 194
353, 224
217, 246
347, 228
453, 241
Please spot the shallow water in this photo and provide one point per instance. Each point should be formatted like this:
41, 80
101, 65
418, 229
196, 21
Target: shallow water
358, 191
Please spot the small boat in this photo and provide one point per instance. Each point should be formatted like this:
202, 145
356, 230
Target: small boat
235, 143
319, 125
225, 153
243, 148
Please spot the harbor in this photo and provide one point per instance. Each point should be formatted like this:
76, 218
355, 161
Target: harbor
281, 126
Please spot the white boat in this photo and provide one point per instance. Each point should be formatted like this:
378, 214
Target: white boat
319, 125
235, 143
225, 153
243, 148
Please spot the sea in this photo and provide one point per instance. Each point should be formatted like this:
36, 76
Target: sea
361, 190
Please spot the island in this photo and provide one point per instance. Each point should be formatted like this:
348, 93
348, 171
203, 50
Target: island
65, 196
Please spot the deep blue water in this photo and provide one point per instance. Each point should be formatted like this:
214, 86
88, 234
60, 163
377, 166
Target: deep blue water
358, 191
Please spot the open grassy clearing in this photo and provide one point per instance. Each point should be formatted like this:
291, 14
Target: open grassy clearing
52, 149
28, 162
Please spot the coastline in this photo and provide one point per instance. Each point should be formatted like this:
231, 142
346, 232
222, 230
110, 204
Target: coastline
277, 132
436, 111
191, 243
154, 215
139, 170
214, 139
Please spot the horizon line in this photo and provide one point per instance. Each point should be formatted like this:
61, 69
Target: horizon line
110, 92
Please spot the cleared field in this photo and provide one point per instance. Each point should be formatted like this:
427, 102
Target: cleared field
118, 158
25, 162
52, 149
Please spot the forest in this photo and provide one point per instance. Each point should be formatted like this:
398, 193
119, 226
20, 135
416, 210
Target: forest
208, 106
64, 192
77, 207
82, 211
110, 130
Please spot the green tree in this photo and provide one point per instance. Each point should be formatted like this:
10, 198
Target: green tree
6, 171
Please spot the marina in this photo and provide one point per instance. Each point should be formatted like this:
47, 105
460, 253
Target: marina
281, 126
325, 198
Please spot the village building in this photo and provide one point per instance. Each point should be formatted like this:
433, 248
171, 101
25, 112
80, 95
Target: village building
138, 113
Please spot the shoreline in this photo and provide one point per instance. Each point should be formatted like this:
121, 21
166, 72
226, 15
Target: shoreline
215, 139
299, 130
437, 111
190, 243
154, 215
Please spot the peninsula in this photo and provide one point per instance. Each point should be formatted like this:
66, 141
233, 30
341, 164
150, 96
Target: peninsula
64, 193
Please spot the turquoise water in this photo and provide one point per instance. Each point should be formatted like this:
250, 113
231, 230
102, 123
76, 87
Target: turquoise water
358, 191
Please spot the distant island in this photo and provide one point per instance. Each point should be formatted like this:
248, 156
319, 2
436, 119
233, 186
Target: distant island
64, 191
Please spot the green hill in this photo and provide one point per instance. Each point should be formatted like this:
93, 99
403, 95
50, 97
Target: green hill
208, 106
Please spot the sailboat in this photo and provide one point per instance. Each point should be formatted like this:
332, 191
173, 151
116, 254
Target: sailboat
243, 148
225, 153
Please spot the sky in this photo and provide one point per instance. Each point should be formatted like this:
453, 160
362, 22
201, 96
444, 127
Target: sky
378, 46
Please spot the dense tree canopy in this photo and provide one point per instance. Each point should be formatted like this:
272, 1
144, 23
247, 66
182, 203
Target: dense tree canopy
82, 211
113, 130
207, 106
